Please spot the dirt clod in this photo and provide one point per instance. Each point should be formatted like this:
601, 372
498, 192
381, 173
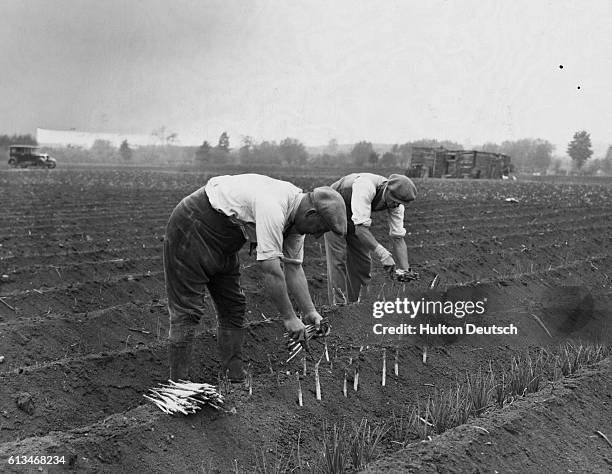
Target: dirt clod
25, 402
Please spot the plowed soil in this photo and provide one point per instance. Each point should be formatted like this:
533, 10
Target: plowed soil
83, 328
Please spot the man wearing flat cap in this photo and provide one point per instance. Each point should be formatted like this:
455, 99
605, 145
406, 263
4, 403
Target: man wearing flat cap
203, 236
349, 257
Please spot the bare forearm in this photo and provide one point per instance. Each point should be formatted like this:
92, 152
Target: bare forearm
298, 286
276, 288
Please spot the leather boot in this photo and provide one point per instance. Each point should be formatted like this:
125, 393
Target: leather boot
179, 356
229, 342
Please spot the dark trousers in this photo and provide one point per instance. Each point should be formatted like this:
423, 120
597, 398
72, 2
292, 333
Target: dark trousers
348, 268
201, 251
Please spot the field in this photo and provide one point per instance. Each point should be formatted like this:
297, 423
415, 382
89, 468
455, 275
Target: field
83, 329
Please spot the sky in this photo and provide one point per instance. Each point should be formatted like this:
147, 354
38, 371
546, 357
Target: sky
382, 71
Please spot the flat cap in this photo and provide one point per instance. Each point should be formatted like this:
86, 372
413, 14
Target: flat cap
401, 188
330, 206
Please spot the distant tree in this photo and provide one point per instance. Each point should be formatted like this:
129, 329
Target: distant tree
323, 159
389, 159
125, 151
361, 152
267, 152
555, 166
102, 151
338, 160
527, 154
606, 165
542, 154
293, 152
332, 147
579, 149
599, 165
404, 154
373, 158
203, 152
245, 152
592, 167
224, 142
7, 140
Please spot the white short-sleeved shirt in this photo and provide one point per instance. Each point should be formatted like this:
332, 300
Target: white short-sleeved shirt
364, 190
265, 209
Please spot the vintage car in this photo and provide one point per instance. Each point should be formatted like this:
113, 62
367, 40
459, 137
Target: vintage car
24, 156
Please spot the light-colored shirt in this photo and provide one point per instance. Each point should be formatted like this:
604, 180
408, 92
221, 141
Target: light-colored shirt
364, 190
265, 209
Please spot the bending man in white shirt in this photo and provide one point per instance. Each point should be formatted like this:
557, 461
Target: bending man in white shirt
204, 234
348, 257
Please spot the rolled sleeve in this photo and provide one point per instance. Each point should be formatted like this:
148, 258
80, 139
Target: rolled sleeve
361, 201
293, 249
396, 221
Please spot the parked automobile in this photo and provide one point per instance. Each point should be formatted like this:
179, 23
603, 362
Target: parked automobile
25, 156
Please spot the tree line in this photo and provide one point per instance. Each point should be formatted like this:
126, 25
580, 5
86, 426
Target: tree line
527, 154
8, 140
292, 152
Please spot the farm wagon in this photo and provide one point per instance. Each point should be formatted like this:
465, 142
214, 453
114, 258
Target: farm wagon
442, 163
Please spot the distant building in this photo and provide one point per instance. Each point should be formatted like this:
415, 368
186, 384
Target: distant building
74, 138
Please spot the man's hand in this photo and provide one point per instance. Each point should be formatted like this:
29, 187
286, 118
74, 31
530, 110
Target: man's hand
296, 329
388, 264
386, 259
313, 317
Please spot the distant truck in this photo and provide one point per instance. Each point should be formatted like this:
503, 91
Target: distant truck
25, 156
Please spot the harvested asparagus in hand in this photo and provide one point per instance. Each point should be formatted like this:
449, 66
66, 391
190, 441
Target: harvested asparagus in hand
184, 397
295, 346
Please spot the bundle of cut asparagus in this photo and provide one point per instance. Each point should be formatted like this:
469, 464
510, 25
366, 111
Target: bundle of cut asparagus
406, 275
184, 397
295, 346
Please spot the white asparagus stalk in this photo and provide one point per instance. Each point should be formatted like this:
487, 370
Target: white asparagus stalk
249, 379
326, 352
304, 366
396, 365
356, 379
424, 354
344, 385
184, 397
300, 398
317, 381
384, 368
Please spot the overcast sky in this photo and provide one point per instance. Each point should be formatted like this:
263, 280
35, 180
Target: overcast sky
384, 71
